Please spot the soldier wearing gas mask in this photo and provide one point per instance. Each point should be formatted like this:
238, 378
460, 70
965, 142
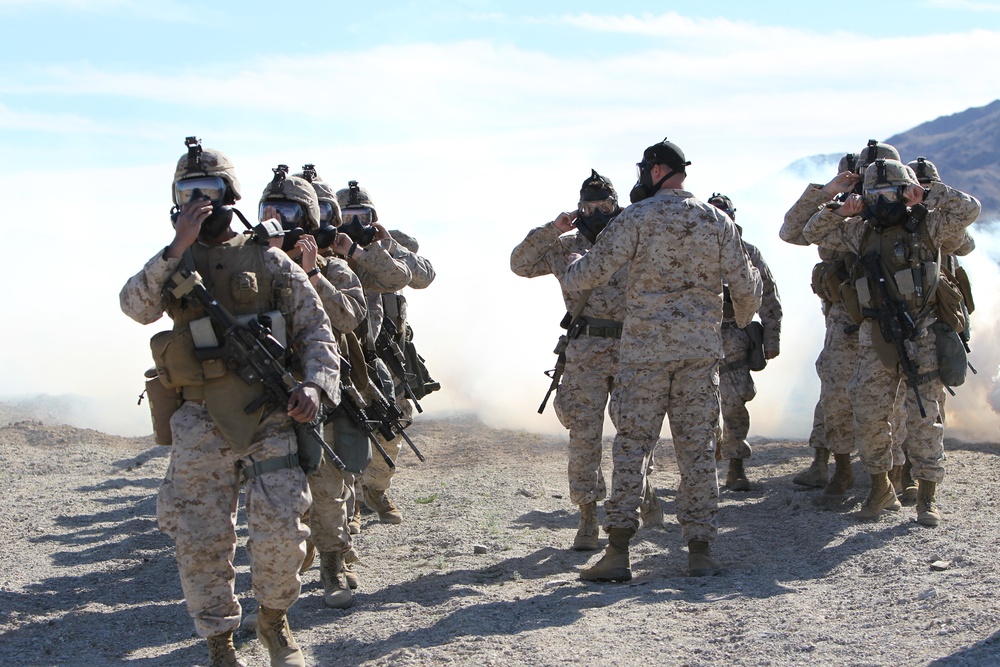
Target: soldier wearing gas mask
361, 223
898, 230
217, 445
744, 350
309, 213
680, 252
833, 421
594, 323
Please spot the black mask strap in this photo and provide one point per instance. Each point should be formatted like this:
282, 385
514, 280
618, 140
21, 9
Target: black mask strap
852, 162
243, 218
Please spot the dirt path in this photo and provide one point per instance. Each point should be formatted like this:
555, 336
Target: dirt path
86, 578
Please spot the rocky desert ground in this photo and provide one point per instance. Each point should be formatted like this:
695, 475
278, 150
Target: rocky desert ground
86, 578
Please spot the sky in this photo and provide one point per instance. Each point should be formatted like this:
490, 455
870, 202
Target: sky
469, 123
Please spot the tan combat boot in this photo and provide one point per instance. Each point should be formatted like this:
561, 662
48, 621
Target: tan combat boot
588, 534
843, 477
614, 564
379, 502
928, 513
650, 511
273, 632
817, 475
736, 479
354, 523
350, 558
881, 497
909, 494
221, 652
896, 479
336, 591
700, 561
310, 556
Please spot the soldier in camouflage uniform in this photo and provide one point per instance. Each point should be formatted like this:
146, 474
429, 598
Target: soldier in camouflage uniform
592, 354
902, 234
736, 387
836, 361
216, 445
399, 268
680, 252
305, 200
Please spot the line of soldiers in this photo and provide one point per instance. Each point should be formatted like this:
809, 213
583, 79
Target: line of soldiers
660, 298
285, 338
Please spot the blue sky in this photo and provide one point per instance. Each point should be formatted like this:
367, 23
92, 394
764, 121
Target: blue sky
470, 122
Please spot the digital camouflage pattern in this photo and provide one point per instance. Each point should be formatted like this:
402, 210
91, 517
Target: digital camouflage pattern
196, 506
197, 501
681, 251
736, 386
872, 387
583, 392
343, 298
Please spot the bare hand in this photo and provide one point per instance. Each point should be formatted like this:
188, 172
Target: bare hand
770, 354
306, 247
573, 256
564, 222
381, 232
852, 206
842, 182
915, 194
342, 244
303, 404
188, 225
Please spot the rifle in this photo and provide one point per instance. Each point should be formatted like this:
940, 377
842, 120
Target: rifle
388, 351
894, 322
257, 356
573, 327
389, 418
351, 404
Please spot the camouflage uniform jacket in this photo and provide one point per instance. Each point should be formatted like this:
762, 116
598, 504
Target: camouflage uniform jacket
770, 305
682, 251
309, 333
343, 297
544, 251
379, 272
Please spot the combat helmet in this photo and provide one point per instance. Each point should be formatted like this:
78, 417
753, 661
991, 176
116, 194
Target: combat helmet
205, 162
292, 190
849, 162
356, 196
329, 207
598, 205
885, 185
723, 203
873, 151
925, 170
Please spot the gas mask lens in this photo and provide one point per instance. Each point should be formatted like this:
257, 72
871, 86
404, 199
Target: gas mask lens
588, 208
211, 187
889, 193
362, 215
290, 213
328, 214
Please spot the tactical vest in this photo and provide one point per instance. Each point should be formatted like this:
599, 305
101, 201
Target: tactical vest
235, 274
910, 264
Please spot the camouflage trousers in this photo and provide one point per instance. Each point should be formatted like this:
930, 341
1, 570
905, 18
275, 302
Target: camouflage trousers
835, 366
196, 506
333, 505
817, 436
736, 389
687, 393
874, 389
580, 401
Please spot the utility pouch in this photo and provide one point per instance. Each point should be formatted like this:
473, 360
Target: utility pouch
949, 304
310, 451
350, 443
175, 360
953, 362
755, 355
163, 403
415, 365
849, 295
965, 285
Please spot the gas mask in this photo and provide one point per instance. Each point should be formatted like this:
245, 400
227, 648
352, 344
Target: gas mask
593, 216
358, 225
210, 188
886, 206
